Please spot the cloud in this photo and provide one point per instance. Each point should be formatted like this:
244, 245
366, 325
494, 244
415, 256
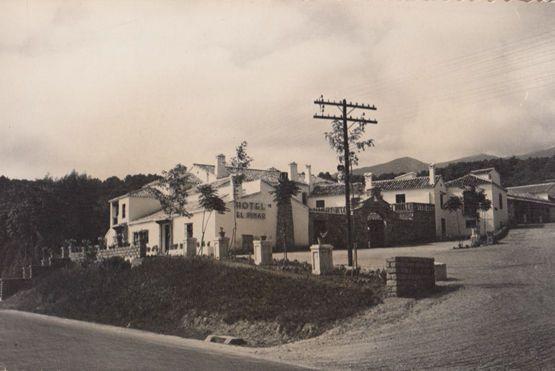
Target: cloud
129, 87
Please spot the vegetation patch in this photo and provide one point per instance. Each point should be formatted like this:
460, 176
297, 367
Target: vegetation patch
195, 297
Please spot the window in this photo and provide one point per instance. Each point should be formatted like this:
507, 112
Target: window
123, 211
400, 198
471, 223
189, 230
304, 198
441, 200
140, 238
320, 204
500, 201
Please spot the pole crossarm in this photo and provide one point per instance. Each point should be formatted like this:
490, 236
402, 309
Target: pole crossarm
350, 119
348, 105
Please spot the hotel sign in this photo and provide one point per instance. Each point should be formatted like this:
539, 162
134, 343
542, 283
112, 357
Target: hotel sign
250, 210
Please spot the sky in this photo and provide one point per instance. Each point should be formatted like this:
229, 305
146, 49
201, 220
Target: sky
124, 87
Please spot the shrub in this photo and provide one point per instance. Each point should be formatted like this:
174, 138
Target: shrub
115, 263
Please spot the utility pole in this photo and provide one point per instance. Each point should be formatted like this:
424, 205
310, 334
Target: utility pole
345, 119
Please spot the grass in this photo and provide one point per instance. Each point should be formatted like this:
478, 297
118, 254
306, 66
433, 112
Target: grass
161, 292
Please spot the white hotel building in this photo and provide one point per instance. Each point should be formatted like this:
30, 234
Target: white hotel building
136, 218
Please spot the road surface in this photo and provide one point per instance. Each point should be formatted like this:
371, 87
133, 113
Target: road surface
498, 311
33, 342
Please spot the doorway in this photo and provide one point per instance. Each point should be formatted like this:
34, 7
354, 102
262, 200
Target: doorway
376, 232
166, 237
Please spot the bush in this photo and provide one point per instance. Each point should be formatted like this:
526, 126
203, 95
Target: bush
115, 263
158, 294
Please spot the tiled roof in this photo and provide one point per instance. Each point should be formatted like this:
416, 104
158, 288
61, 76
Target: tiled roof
482, 171
331, 189
533, 189
468, 180
530, 198
420, 182
155, 216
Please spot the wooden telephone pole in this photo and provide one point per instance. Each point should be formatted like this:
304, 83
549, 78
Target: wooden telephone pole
345, 118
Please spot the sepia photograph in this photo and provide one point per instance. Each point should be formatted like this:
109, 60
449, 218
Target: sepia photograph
277, 185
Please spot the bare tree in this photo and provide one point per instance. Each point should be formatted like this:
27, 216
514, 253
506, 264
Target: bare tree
239, 163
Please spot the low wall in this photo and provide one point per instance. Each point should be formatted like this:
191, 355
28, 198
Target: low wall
130, 252
409, 276
10, 286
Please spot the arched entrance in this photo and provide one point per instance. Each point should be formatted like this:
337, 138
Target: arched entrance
376, 230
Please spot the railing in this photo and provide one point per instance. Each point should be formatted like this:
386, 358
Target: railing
412, 206
400, 207
329, 210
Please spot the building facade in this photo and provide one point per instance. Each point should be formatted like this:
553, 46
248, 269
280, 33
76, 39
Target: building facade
138, 219
533, 203
406, 209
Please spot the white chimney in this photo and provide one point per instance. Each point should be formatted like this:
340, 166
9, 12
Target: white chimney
368, 185
310, 182
432, 171
293, 172
220, 170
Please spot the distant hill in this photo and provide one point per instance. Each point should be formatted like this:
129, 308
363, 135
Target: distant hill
408, 164
549, 152
399, 165
479, 157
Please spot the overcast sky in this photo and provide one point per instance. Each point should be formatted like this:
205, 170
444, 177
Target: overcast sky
116, 87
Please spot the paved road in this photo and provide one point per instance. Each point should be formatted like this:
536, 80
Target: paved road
498, 311
33, 342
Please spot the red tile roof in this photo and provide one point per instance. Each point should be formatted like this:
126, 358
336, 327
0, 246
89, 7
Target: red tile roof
420, 182
468, 180
548, 188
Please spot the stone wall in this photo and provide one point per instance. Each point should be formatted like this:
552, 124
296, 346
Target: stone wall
9, 286
409, 227
129, 252
410, 276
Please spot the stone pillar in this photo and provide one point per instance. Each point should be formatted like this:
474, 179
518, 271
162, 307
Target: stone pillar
440, 271
262, 252
409, 276
321, 258
221, 247
474, 238
190, 247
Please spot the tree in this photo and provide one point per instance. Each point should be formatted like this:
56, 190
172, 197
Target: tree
210, 202
475, 201
284, 190
326, 176
239, 163
347, 142
454, 204
172, 190
355, 138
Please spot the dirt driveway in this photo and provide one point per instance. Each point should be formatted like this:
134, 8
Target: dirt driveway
497, 311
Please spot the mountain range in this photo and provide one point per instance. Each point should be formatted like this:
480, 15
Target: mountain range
409, 164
